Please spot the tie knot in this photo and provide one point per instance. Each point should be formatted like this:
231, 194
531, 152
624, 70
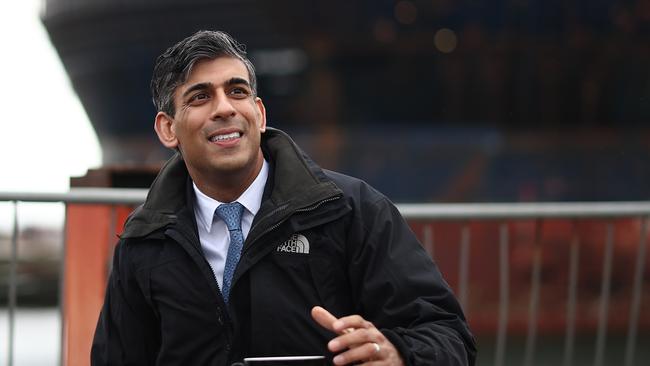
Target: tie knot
231, 213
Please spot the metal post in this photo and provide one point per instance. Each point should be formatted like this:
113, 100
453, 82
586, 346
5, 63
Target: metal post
635, 306
13, 266
604, 297
574, 263
62, 303
533, 309
112, 232
428, 239
463, 271
504, 295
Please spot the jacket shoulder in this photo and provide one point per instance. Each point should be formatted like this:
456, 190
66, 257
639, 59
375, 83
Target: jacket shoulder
355, 188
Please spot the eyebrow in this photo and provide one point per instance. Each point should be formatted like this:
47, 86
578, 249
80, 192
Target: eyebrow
209, 85
237, 80
195, 87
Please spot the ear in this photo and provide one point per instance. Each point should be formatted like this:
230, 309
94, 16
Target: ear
164, 126
262, 111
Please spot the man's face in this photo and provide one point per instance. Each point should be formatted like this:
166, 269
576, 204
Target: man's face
218, 122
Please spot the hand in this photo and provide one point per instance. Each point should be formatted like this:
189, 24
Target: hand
364, 343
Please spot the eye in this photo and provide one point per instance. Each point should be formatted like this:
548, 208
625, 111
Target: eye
239, 92
198, 98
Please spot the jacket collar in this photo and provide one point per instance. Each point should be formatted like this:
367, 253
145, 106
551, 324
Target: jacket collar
297, 183
297, 180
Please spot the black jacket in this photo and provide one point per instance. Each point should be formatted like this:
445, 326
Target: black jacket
319, 238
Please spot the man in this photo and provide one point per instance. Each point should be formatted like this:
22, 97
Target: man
245, 247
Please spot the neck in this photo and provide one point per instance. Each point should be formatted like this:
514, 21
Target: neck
228, 186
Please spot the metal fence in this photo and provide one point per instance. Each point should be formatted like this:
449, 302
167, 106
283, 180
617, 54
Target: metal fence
111, 197
428, 214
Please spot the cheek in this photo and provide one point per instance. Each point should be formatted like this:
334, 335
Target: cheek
190, 125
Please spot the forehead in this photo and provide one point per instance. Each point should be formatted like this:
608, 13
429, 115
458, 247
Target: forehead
217, 70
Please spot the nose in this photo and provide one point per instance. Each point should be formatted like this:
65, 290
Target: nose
223, 107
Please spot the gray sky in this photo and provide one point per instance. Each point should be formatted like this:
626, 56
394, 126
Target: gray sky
46, 135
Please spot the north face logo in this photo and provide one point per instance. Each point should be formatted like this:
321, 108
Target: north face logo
297, 243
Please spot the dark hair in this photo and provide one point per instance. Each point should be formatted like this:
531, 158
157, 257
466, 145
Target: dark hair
173, 67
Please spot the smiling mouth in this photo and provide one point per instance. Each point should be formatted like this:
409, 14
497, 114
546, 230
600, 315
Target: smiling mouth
226, 137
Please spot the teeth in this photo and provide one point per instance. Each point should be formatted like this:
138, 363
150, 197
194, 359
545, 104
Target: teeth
229, 136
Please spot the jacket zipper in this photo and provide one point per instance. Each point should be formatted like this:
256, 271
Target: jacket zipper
221, 319
304, 209
222, 311
318, 204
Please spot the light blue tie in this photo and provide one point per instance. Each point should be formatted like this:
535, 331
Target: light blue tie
231, 214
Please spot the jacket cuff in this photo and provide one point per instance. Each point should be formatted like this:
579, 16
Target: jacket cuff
400, 345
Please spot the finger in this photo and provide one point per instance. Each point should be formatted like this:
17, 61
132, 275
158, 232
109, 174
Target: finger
365, 352
349, 340
324, 318
351, 321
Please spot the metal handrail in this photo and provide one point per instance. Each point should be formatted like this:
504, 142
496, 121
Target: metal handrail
447, 212
457, 211
437, 211
127, 196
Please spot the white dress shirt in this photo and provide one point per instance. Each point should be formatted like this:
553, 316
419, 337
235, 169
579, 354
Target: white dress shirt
213, 232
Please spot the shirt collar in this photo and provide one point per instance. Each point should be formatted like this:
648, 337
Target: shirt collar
251, 199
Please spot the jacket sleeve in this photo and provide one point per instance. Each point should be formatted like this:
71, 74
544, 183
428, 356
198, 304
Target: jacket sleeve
126, 331
401, 290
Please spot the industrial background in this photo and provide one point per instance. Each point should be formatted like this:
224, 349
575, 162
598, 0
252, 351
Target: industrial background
467, 101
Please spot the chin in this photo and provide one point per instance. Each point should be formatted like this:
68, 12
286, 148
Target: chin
232, 164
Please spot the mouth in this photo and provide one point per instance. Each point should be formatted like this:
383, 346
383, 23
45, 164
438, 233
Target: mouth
226, 137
